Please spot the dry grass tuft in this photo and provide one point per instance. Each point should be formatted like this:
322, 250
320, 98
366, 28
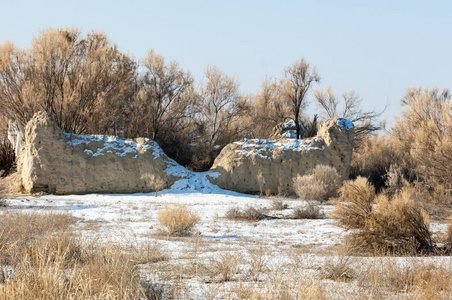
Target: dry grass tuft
248, 214
278, 204
309, 211
322, 183
177, 220
338, 269
224, 267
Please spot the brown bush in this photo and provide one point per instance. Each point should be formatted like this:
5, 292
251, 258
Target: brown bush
309, 211
423, 130
247, 214
373, 160
177, 220
278, 204
398, 223
394, 223
322, 183
338, 269
354, 203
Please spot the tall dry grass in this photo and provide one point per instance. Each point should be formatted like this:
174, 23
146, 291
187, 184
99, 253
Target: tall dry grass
413, 280
48, 261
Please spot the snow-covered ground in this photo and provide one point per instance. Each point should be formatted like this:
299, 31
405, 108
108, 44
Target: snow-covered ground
301, 246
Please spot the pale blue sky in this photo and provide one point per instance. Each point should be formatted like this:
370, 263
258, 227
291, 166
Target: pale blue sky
378, 48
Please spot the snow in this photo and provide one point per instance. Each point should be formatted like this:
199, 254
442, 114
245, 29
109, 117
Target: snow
289, 124
112, 144
289, 134
301, 248
345, 124
265, 148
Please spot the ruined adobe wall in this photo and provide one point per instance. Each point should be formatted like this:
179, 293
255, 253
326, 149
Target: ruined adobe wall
253, 166
55, 162
59, 163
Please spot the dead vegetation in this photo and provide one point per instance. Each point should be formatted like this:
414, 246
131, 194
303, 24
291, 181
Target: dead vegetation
279, 204
321, 184
177, 220
50, 262
249, 213
383, 223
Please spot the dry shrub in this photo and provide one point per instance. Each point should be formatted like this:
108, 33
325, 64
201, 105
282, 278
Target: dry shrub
278, 204
322, 183
423, 130
7, 157
354, 203
309, 211
224, 267
177, 220
148, 253
394, 223
61, 248
373, 159
399, 222
247, 214
434, 197
258, 262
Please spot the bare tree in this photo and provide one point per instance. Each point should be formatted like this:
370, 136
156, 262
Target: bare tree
82, 81
298, 79
163, 102
350, 102
221, 106
269, 109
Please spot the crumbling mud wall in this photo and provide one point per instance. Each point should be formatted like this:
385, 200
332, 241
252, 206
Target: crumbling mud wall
59, 163
253, 166
55, 162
